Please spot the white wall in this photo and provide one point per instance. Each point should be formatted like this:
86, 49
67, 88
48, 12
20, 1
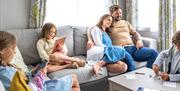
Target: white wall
14, 14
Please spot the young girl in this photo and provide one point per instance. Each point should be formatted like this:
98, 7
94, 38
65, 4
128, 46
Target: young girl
104, 50
167, 64
58, 60
7, 71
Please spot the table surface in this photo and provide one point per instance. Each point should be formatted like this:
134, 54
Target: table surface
147, 80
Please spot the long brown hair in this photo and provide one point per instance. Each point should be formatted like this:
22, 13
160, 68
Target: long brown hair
46, 29
100, 22
6, 41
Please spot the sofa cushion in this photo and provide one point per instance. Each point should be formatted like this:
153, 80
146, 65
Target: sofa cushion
26, 42
84, 74
80, 40
67, 31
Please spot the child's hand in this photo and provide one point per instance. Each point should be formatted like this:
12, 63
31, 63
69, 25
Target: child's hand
90, 44
59, 47
164, 76
155, 69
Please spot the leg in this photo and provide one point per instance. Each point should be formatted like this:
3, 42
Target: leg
145, 54
119, 67
97, 66
130, 62
75, 83
59, 56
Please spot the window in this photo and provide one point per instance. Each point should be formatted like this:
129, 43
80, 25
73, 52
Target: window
178, 14
76, 12
148, 13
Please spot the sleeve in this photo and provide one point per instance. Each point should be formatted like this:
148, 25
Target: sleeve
174, 77
134, 33
161, 57
89, 33
41, 50
97, 36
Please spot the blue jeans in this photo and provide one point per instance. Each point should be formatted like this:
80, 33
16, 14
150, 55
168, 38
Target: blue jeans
130, 62
143, 54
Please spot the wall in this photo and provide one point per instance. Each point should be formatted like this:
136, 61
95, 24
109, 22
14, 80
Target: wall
14, 14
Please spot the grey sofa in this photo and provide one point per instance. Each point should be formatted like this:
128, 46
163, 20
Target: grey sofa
76, 40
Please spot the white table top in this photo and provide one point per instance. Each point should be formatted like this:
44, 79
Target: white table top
147, 79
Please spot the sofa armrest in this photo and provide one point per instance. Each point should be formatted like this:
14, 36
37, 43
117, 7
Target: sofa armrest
149, 42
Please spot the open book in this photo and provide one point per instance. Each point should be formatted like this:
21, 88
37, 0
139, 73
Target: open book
58, 44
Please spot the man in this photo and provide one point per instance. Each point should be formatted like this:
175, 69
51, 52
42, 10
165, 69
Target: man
121, 32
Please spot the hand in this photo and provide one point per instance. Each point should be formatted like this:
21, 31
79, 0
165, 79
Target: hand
139, 44
90, 44
155, 69
59, 47
164, 76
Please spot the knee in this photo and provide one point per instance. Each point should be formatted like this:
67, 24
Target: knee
122, 67
52, 57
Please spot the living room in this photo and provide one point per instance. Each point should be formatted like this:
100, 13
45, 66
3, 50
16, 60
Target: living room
73, 18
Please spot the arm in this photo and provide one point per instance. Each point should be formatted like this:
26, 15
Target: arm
97, 36
40, 47
159, 61
90, 42
135, 35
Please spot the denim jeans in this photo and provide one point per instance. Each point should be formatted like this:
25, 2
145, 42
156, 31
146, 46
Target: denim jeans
143, 54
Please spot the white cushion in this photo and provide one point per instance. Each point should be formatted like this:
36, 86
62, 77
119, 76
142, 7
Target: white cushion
1, 86
18, 60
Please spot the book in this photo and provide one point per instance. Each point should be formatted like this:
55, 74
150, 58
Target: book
58, 44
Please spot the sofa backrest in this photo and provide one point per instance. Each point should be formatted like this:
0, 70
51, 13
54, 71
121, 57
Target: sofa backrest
80, 40
26, 42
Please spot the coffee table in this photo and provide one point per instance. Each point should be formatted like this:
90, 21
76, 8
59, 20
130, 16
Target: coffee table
143, 77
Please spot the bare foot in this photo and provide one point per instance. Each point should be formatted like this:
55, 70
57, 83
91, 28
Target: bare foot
96, 68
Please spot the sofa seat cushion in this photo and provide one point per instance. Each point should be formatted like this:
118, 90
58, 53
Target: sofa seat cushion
84, 74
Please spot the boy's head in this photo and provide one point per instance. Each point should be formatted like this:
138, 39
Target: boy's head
49, 31
7, 47
176, 39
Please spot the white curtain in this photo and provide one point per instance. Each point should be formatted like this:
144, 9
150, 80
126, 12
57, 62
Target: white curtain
76, 12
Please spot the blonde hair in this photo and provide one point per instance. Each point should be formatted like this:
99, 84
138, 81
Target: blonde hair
6, 41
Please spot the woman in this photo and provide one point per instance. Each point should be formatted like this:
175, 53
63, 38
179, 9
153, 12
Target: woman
104, 50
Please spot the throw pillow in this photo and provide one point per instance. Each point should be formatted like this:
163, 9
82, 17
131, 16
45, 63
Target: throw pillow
18, 61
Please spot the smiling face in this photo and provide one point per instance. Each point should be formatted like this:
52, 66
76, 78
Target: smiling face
117, 14
107, 22
51, 34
